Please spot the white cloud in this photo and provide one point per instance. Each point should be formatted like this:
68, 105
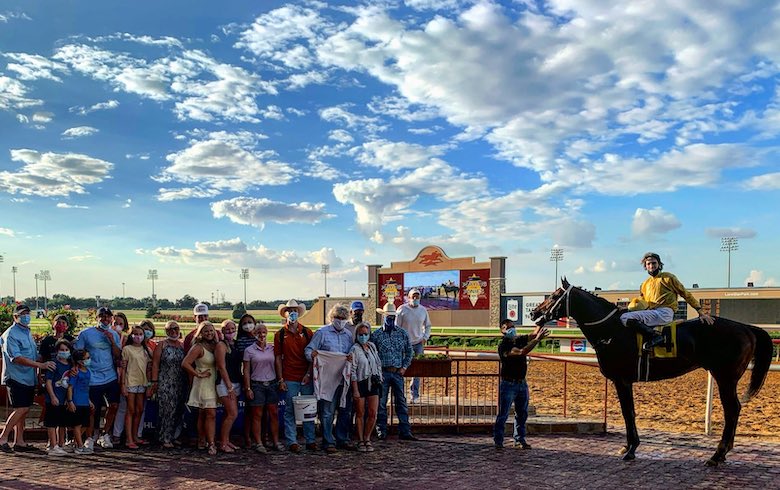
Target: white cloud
7, 232
341, 115
765, 182
167, 194
81, 258
256, 212
323, 171
42, 117
79, 131
341, 136
35, 67
758, 278
731, 232
100, 106
13, 95
6, 16
127, 203
222, 165
234, 252
53, 174
64, 205
649, 223
393, 156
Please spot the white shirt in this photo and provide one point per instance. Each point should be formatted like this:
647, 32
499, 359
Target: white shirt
415, 320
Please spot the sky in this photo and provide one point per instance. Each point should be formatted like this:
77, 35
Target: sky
199, 138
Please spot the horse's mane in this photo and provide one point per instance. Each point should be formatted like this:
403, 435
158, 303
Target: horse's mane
598, 298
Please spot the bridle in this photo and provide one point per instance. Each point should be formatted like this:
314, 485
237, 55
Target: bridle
548, 316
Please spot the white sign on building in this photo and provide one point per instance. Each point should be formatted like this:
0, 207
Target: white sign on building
512, 309
529, 303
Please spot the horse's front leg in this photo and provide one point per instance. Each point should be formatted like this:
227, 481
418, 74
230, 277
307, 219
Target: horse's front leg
625, 392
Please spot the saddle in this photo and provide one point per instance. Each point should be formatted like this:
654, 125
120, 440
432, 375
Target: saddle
667, 350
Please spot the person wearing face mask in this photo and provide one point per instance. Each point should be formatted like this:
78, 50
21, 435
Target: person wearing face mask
148, 331
413, 317
247, 326
136, 359
512, 350
657, 302
294, 371
149, 334
356, 310
395, 352
121, 325
19, 365
366, 379
78, 403
229, 387
60, 330
169, 383
103, 345
336, 338
54, 418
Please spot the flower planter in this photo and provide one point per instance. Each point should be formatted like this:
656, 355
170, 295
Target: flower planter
430, 368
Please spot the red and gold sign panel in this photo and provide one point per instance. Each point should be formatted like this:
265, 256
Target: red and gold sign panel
474, 289
391, 288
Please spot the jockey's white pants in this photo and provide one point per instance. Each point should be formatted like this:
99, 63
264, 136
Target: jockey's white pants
651, 318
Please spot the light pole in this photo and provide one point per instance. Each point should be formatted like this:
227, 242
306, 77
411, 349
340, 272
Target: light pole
217, 296
123, 290
97, 301
1, 261
37, 307
212, 298
14, 270
152, 275
45, 277
556, 255
729, 244
325, 270
244, 276
345, 288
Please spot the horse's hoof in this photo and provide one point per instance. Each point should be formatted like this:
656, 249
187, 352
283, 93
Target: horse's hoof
711, 463
629, 456
623, 450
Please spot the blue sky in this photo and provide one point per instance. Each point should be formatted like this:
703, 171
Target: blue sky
198, 139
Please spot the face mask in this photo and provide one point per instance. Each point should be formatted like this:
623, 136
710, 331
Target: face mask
138, 338
148, 334
511, 333
24, 320
64, 355
248, 327
118, 328
338, 324
230, 336
86, 362
103, 325
175, 337
389, 323
415, 302
362, 338
293, 316
61, 329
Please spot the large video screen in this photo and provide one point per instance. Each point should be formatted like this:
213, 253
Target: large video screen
439, 290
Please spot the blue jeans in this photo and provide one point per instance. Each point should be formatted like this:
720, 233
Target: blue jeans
511, 392
295, 388
343, 419
418, 350
395, 382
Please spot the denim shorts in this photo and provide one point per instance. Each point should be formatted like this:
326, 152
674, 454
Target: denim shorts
265, 393
136, 389
223, 391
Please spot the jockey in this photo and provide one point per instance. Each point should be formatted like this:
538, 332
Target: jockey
658, 302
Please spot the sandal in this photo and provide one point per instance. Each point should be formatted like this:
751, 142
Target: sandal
131, 445
225, 448
168, 445
259, 448
201, 444
367, 447
212, 449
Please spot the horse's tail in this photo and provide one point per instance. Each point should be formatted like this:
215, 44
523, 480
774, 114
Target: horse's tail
762, 359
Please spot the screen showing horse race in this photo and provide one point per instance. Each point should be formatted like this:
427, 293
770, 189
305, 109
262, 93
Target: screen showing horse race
439, 290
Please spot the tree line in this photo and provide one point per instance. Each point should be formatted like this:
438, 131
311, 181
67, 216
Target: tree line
187, 301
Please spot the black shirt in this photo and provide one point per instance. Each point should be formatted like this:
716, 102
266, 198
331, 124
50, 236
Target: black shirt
513, 367
46, 349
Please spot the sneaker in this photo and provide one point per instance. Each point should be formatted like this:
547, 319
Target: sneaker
89, 443
69, 446
522, 444
105, 441
82, 451
56, 451
415, 400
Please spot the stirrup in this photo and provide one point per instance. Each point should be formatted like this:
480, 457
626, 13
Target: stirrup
654, 342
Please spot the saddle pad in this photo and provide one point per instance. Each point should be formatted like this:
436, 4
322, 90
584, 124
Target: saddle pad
664, 351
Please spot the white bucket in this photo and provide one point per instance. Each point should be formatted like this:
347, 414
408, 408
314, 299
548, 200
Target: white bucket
305, 407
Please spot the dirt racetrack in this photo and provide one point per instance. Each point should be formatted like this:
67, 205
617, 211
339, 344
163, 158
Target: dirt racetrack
676, 405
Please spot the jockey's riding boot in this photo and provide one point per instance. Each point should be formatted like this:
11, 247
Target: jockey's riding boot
656, 338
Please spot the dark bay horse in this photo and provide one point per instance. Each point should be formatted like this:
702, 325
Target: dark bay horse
724, 349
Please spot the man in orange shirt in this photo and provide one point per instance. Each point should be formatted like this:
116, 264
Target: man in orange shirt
294, 371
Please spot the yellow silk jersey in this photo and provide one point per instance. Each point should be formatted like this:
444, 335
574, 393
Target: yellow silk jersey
663, 290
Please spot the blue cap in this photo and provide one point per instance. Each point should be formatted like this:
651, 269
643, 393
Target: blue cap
357, 305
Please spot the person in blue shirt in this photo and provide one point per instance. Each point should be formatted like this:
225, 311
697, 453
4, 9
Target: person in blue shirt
54, 418
104, 347
334, 337
78, 402
19, 364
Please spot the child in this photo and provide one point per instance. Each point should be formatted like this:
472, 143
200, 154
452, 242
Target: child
134, 380
56, 391
79, 404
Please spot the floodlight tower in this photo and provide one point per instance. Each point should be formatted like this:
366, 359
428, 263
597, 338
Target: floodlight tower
729, 244
152, 275
556, 255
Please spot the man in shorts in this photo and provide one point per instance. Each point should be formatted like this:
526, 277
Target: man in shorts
104, 346
19, 365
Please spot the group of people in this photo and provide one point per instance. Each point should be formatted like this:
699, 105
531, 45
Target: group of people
108, 372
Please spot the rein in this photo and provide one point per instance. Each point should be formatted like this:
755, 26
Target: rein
603, 319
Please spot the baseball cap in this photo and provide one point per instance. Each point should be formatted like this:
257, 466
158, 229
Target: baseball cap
357, 305
200, 309
21, 309
104, 310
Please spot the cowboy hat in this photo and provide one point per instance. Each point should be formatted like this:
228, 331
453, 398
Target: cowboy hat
388, 310
292, 304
